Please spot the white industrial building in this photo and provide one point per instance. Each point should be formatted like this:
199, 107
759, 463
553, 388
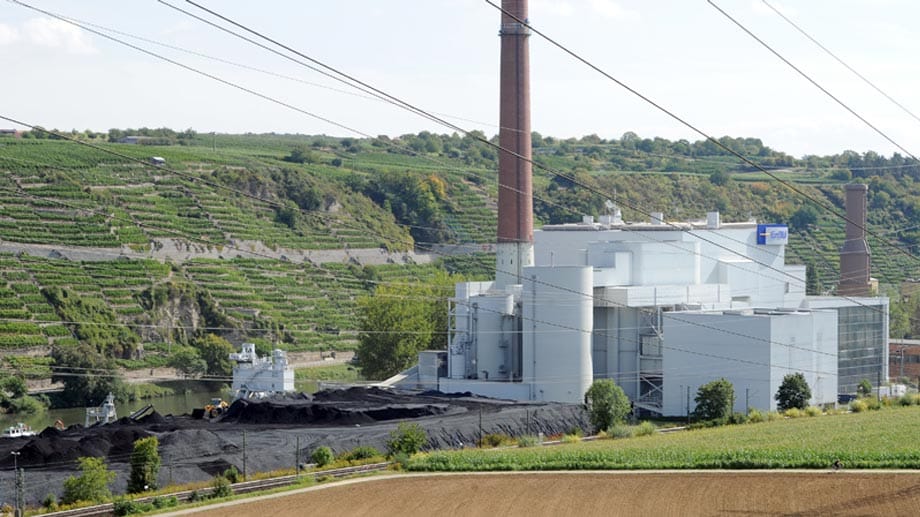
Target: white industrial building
661, 308
258, 377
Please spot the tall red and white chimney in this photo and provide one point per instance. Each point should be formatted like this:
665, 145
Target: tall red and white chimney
854, 255
515, 191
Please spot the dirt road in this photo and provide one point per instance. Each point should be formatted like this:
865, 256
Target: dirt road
603, 493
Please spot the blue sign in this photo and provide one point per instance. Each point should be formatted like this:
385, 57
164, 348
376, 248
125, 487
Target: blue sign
772, 234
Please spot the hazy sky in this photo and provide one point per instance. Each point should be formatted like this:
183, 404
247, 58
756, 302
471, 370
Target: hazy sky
442, 55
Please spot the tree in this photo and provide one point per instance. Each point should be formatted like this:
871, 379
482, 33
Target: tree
92, 485
87, 376
14, 397
793, 392
607, 404
864, 389
399, 321
803, 217
301, 154
720, 178
406, 439
714, 400
187, 361
145, 465
215, 351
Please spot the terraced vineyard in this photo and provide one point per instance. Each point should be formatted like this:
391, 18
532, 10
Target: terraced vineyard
227, 194
299, 306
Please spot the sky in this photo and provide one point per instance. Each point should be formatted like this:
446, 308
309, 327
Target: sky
442, 55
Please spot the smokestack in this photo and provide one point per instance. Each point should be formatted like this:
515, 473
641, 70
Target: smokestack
515, 192
854, 255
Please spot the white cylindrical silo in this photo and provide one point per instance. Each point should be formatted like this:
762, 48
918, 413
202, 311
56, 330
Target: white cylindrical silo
492, 352
557, 318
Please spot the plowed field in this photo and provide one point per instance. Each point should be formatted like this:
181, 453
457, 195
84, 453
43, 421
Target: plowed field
604, 493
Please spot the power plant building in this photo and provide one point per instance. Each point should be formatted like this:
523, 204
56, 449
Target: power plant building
661, 308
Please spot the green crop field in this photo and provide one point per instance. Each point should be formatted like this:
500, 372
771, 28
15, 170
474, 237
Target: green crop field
876, 439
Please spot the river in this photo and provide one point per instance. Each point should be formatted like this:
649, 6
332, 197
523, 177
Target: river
173, 404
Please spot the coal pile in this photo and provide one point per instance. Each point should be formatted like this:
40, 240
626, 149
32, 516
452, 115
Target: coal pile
355, 406
265, 435
57, 448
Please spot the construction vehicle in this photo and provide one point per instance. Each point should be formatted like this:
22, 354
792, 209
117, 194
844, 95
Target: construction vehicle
216, 407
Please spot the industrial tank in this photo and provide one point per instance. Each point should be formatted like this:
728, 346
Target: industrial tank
557, 310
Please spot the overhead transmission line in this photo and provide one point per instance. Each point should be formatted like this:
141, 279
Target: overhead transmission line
351, 129
477, 137
410, 107
374, 91
563, 288
812, 81
393, 100
826, 206
841, 61
269, 72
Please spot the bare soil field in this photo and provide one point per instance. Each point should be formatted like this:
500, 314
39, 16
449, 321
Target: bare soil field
603, 493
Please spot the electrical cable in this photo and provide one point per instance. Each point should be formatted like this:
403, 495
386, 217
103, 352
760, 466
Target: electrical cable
140, 49
812, 81
415, 109
839, 60
382, 93
659, 107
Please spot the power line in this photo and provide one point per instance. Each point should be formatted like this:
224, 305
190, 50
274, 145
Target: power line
412, 108
287, 105
695, 129
841, 61
400, 103
812, 81
540, 282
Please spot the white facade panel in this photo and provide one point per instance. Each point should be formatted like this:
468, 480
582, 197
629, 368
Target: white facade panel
700, 348
753, 352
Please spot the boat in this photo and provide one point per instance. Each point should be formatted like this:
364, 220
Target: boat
17, 431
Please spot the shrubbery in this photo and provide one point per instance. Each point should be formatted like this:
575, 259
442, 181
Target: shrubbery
645, 429
233, 475
407, 439
221, 487
528, 440
620, 431
495, 440
322, 456
607, 404
363, 452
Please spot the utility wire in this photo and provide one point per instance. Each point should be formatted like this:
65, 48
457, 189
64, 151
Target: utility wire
839, 60
410, 107
400, 103
826, 206
310, 114
812, 81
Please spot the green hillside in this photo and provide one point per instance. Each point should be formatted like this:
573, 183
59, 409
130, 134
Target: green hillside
218, 196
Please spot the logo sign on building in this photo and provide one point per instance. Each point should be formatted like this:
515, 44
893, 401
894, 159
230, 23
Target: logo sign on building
772, 234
